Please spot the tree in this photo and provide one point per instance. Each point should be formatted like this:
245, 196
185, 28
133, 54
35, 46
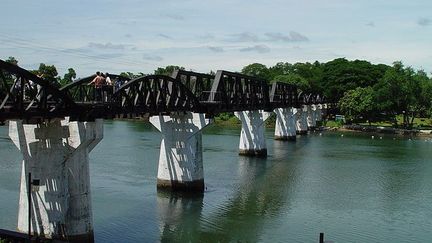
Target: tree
293, 79
257, 70
398, 92
312, 73
68, 77
281, 68
341, 75
168, 70
9, 79
49, 73
358, 103
12, 60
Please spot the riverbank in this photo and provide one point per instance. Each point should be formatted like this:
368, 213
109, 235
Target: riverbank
382, 130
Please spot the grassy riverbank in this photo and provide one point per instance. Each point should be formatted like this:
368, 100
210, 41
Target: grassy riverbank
419, 123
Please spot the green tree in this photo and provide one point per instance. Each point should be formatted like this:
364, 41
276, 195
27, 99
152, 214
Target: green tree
341, 75
49, 73
312, 72
358, 103
12, 60
68, 77
257, 70
281, 68
293, 79
398, 92
9, 79
168, 70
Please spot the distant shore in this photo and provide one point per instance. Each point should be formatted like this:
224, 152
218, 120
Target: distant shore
382, 130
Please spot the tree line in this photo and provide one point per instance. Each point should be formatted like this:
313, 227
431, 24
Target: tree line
361, 91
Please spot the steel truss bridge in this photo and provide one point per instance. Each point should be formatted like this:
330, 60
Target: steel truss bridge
23, 95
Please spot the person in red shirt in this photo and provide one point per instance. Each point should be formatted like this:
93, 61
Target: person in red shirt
98, 82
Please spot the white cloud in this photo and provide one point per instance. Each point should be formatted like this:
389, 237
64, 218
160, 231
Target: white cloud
256, 48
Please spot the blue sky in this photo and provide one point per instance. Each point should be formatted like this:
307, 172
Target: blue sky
139, 36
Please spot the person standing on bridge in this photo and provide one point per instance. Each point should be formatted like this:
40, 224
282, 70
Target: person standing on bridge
108, 90
98, 82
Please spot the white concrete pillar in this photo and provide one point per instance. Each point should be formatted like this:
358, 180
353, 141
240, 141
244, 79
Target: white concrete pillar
180, 158
318, 113
311, 116
56, 154
285, 124
301, 120
324, 109
252, 138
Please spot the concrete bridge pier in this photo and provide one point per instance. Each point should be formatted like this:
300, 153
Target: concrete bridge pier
252, 138
301, 120
311, 116
56, 153
285, 124
318, 112
180, 159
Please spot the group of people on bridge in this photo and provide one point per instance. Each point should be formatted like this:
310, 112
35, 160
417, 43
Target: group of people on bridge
104, 86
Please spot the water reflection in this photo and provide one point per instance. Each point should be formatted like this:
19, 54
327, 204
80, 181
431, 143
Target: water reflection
179, 216
261, 194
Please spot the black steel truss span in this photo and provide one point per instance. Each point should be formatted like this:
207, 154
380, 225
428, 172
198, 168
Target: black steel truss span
24, 95
154, 94
283, 95
199, 84
236, 92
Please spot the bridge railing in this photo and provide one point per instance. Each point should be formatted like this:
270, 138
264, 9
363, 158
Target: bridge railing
85, 93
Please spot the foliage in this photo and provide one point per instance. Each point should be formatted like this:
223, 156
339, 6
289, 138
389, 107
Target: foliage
358, 104
49, 73
68, 77
341, 75
293, 79
257, 70
400, 92
12, 60
131, 75
168, 70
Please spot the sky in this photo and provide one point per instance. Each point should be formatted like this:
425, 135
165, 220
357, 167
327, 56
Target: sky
201, 35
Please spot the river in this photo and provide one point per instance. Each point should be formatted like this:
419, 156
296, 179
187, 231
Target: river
351, 187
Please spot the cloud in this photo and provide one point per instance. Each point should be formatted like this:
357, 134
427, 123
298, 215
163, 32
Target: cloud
244, 37
424, 22
174, 17
128, 36
370, 24
215, 48
291, 37
256, 48
109, 55
106, 46
152, 58
206, 36
165, 36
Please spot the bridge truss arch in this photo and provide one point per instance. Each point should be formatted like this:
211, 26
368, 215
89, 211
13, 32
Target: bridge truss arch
154, 94
23, 95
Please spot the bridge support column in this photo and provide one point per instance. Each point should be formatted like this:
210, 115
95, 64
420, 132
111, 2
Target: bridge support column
56, 155
285, 124
311, 116
252, 139
180, 159
301, 121
318, 113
